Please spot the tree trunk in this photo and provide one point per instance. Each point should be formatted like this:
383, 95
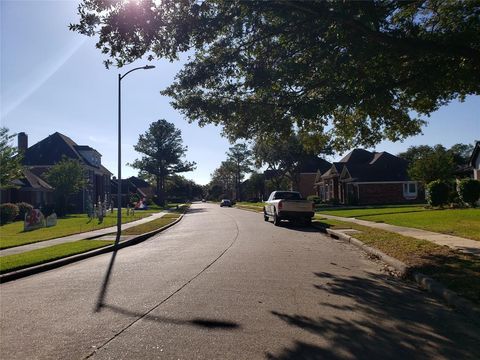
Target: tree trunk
159, 190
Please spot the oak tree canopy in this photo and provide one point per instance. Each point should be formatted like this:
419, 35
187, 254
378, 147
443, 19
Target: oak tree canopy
343, 73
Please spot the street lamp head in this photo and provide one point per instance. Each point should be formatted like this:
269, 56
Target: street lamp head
147, 67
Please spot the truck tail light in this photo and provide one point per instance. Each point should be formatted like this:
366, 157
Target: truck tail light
280, 205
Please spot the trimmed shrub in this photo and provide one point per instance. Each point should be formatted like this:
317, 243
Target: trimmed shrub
23, 209
437, 193
469, 191
314, 198
8, 212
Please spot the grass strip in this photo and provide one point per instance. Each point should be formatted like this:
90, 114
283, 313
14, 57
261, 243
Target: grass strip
458, 222
151, 225
457, 271
40, 256
250, 207
12, 234
344, 211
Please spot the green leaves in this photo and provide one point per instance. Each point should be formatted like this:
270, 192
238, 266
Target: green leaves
10, 160
429, 163
163, 150
68, 178
351, 71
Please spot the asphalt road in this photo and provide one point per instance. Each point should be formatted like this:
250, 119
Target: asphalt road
223, 284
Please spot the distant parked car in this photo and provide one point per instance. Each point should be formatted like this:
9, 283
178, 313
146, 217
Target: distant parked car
203, 200
225, 202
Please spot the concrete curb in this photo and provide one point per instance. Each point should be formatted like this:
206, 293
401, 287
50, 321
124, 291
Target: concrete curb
397, 264
451, 298
14, 275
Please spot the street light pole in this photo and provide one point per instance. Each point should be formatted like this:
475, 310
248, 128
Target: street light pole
103, 289
119, 181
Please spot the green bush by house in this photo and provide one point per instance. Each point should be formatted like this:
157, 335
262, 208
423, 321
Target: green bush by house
437, 193
8, 212
469, 191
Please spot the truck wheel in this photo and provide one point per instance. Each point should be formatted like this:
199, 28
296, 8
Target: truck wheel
276, 219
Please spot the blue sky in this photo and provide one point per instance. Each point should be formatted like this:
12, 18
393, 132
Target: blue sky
54, 80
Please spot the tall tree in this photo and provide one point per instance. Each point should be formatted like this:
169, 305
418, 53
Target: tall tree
67, 177
163, 150
461, 154
225, 177
285, 156
178, 186
241, 158
429, 163
256, 186
10, 160
354, 72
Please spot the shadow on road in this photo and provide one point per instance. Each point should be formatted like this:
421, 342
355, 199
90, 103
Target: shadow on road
300, 228
198, 322
381, 318
196, 210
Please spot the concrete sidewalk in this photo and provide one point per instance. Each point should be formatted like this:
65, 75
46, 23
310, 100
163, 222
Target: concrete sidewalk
81, 236
455, 242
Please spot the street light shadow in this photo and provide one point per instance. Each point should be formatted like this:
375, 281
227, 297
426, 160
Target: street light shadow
197, 322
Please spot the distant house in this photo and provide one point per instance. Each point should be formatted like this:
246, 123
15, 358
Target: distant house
303, 181
39, 158
475, 161
131, 186
308, 172
364, 177
30, 189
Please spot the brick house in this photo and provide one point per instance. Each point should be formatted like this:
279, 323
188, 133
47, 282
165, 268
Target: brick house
40, 157
366, 178
308, 174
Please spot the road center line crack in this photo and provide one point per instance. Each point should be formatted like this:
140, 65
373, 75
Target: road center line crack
170, 296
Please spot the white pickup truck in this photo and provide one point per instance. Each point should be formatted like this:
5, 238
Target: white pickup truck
288, 205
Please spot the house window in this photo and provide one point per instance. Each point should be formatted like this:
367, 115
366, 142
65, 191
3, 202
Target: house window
410, 190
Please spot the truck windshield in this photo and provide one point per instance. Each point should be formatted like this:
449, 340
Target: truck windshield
287, 195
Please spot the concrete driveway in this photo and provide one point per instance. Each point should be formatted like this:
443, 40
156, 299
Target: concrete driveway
223, 284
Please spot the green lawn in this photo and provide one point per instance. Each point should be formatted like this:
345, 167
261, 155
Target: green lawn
35, 257
457, 271
151, 225
459, 222
257, 206
371, 210
13, 235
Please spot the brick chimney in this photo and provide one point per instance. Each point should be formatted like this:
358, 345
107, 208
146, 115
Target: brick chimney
22, 142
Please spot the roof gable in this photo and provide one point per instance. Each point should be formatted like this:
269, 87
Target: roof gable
357, 156
33, 182
138, 182
50, 150
333, 171
314, 163
386, 167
